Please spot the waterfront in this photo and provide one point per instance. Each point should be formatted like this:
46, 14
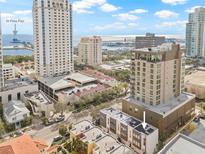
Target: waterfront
17, 52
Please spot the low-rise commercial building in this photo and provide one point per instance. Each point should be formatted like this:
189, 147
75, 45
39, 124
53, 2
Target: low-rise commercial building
70, 88
40, 103
96, 140
195, 83
15, 112
16, 88
182, 144
167, 117
143, 139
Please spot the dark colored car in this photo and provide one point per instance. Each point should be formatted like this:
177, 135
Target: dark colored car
202, 116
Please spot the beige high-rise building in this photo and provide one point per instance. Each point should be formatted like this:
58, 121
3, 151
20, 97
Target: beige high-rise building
1, 59
158, 89
158, 74
53, 48
90, 51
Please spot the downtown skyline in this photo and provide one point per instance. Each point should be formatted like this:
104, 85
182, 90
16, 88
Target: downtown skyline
117, 17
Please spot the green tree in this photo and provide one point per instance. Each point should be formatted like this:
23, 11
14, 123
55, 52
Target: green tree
1, 127
60, 107
62, 130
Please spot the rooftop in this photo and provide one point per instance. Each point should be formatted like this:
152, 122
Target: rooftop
22, 145
182, 144
128, 120
66, 81
106, 145
123, 150
81, 127
166, 47
16, 83
197, 78
81, 78
92, 135
167, 107
38, 97
14, 108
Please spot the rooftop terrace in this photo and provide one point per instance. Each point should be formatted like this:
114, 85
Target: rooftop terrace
167, 107
128, 120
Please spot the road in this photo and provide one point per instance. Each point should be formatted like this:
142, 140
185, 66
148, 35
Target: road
49, 132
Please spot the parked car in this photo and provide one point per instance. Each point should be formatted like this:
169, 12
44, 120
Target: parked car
197, 119
57, 138
202, 116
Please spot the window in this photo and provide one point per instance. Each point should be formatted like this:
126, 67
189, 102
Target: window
18, 96
9, 97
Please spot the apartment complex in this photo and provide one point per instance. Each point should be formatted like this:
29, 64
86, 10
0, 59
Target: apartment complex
195, 33
90, 51
158, 88
148, 41
8, 71
1, 59
129, 130
96, 140
53, 48
158, 74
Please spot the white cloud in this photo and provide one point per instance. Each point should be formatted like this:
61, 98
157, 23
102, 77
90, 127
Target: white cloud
173, 24
174, 2
193, 8
3, 1
84, 6
109, 7
7, 15
125, 17
23, 12
132, 24
166, 14
139, 11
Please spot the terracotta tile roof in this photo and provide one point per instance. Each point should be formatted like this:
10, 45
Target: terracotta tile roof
53, 149
20, 145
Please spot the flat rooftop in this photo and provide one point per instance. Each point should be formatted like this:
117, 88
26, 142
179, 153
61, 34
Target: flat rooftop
106, 145
66, 81
92, 135
80, 78
38, 98
166, 108
81, 127
16, 83
123, 150
136, 124
182, 144
166, 47
197, 78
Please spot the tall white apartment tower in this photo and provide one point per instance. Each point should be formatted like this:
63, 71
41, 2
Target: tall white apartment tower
90, 51
1, 59
195, 33
53, 48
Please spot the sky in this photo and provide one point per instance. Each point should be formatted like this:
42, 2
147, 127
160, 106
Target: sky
110, 17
